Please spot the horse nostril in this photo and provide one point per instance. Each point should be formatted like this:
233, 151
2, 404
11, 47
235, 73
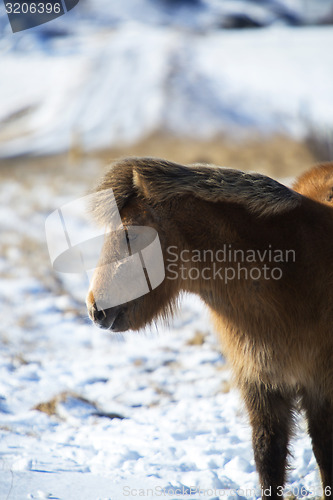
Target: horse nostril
99, 315
95, 314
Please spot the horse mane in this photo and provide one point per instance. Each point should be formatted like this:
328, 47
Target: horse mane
159, 180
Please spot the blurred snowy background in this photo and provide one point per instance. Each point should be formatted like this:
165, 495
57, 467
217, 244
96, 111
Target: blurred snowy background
109, 74
243, 84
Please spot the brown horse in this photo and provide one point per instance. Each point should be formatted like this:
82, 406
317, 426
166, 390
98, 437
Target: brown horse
260, 256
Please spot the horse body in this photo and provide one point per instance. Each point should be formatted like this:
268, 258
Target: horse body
275, 329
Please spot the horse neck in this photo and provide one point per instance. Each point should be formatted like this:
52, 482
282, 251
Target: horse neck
199, 231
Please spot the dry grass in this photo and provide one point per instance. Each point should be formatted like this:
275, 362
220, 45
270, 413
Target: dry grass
277, 156
226, 386
198, 338
320, 143
51, 407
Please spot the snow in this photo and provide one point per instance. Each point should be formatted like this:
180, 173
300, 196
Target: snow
139, 411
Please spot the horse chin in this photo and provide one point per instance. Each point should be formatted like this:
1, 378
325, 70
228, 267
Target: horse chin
119, 323
118, 319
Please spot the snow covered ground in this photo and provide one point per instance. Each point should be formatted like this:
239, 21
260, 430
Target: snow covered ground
85, 415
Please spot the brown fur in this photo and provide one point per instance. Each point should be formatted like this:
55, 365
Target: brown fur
277, 334
317, 183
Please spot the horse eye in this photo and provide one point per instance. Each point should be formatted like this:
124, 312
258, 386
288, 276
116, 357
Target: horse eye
130, 238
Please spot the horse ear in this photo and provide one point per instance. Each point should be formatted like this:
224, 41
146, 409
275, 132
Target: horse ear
140, 183
136, 180
159, 179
